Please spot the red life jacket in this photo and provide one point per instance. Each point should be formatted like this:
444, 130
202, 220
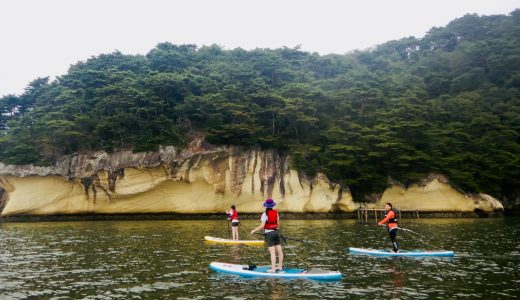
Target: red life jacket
234, 215
272, 220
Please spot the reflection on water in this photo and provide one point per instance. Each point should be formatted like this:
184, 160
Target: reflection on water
169, 259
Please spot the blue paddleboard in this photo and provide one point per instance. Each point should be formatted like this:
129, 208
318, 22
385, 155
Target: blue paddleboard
244, 270
376, 252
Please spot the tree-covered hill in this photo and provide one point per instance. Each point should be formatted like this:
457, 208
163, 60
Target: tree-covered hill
446, 103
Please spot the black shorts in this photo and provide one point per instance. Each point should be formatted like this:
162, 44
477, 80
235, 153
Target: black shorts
273, 238
235, 224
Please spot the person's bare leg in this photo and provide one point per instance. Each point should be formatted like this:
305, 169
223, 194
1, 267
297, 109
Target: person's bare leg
235, 232
272, 251
280, 256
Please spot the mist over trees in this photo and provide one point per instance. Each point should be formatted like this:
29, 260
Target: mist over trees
446, 103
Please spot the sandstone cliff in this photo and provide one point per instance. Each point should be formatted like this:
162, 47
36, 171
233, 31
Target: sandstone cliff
201, 179
435, 194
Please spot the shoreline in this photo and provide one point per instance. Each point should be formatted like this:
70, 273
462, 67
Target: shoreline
243, 216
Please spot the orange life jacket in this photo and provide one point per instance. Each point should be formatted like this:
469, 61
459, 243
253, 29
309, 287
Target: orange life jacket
390, 219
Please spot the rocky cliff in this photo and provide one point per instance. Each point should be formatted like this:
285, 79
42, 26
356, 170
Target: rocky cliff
199, 179
435, 194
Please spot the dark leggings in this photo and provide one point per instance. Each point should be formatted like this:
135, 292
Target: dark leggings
393, 237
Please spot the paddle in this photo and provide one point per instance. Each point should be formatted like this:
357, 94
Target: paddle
228, 229
417, 236
399, 227
409, 230
293, 253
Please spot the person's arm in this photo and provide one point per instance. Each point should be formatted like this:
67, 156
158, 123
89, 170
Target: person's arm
389, 216
263, 219
258, 228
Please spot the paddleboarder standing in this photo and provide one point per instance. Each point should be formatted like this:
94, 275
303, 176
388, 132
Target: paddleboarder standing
390, 220
270, 223
232, 215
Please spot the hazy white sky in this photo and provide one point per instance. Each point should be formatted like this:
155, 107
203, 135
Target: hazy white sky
44, 37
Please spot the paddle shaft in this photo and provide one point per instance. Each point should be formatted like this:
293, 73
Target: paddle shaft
285, 241
228, 230
399, 227
417, 236
409, 230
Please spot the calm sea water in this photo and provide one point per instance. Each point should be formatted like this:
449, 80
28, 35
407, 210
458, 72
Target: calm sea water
169, 260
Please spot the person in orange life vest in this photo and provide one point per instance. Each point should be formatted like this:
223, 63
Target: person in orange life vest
391, 224
232, 215
270, 223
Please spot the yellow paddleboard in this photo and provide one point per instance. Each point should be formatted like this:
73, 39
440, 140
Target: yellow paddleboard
228, 241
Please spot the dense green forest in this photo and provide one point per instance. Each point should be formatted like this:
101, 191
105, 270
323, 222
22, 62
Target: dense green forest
447, 103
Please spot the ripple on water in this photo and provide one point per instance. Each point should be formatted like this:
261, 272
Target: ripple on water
169, 259
150, 287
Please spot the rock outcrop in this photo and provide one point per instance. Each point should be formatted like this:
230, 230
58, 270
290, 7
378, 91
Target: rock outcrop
200, 179
434, 194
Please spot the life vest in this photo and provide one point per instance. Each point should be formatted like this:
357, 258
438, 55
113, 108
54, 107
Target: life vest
272, 220
234, 215
394, 219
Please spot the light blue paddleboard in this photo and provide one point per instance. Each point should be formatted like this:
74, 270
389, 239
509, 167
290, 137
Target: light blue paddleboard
400, 253
243, 270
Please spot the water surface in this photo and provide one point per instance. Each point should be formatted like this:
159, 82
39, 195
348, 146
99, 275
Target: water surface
169, 259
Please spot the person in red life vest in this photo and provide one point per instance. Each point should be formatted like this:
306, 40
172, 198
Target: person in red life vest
271, 224
232, 215
391, 224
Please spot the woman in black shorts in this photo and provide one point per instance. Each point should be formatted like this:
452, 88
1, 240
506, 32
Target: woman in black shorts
270, 223
232, 216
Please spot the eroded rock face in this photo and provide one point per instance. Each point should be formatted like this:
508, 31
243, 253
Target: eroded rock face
435, 194
200, 179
